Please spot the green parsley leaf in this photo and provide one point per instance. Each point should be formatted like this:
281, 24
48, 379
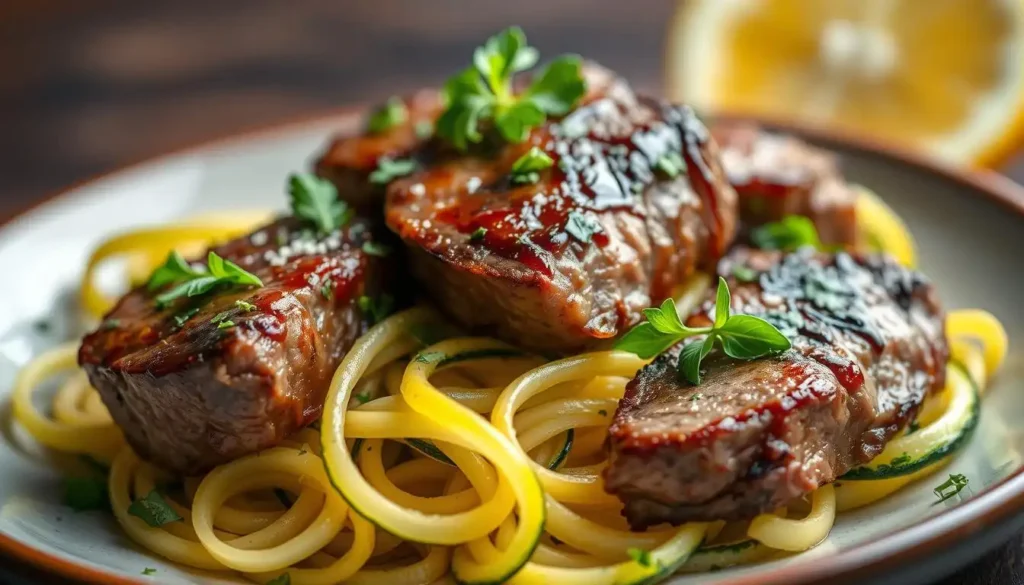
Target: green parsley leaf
377, 309
641, 557
363, 397
148, 571
376, 249
390, 169
696, 396
526, 167
427, 357
154, 510
174, 269
389, 115
245, 306
951, 487
424, 129
791, 233
282, 579
582, 226
109, 324
226, 324
181, 318
220, 316
485, 91
219, 272
327, 290
83, 494
478, 234
745, 273
315, 200
671, 164
742, 336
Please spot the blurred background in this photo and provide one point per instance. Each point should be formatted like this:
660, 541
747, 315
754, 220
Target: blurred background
90, 86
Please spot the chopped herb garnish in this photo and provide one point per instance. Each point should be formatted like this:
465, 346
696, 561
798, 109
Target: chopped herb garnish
484, 92
376, 249
219, 272
478, 234
82, 494
743, 337
526, 168
282, 579
154, 510
788, 234
327, 290
148, 571
424, 129
181, 318
109, 324
696, 396
582, 226
641, 557
951, 487
226, 324
390, 169
219, 317
603, 412
376, 309
245, 306
744, 273
363, 397
671, 164
429, 357
315, 201
389, 115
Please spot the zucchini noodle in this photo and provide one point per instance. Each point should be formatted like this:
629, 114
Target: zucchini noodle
472, 462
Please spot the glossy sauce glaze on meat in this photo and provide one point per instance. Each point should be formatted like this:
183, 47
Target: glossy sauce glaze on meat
776, 175
868, 345
191, 393
568, 261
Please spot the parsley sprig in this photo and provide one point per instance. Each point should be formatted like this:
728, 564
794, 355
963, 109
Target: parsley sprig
194, 281
951, 487
484, 91
527, 168
788, 234
154, 510
315, 200
743, 337
389, 115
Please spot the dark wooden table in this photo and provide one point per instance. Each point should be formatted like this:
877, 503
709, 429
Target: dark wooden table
87, 87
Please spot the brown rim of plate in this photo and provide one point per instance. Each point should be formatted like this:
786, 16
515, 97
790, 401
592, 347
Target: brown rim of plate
987, 509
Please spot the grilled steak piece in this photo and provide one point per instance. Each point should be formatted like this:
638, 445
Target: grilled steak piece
776, 175
191, 392
635, 202
868, 345
349, 160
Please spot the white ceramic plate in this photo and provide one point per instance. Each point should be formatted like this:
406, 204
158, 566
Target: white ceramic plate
970, 232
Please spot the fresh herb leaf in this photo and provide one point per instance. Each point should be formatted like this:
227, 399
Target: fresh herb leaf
641, 557
363, 397
424, 129
282, 579
181, 318
315, 200
671, 164
245, 306
390, 169
148, 571
744, 273
951, 487
226, 324
174, 269
526, 167
376, 249
154, 510
389, 115
427, 357
742, 336
485, 92
478, 234
83, 494
582, 227
109, 324
696, 396
327, 290
788, 234
376, 309
219, 272
220, 316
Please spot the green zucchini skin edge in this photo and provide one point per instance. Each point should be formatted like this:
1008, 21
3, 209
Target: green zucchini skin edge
888, 471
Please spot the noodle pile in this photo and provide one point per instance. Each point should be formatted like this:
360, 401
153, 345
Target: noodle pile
460, 458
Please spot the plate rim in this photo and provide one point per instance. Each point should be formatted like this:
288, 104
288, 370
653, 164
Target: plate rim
987, 510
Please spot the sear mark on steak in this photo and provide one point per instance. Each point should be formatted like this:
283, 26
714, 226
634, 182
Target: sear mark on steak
190, 393
868, 345
569, 261
776, 175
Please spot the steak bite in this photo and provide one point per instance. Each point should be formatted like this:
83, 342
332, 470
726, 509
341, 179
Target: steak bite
211, 378
868, 346
776, 175
634, 203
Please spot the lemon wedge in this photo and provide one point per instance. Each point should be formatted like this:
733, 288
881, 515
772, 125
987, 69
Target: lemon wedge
946, 76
